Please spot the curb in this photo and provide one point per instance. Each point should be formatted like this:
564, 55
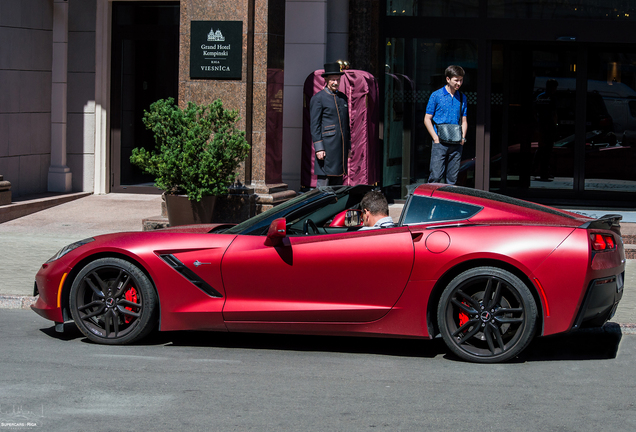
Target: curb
16, 302
25, 302
628, 328
25, 207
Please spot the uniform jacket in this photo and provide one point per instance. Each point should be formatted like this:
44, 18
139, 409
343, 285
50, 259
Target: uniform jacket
329, 115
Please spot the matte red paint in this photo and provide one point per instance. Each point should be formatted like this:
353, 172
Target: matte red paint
437, 241
375, 282
544, 299
348, 277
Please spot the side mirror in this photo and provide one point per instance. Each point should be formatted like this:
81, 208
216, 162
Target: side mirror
277, 232
353, 218
348, 218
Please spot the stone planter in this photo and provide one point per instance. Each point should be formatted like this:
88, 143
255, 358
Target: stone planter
5, 191
182, 211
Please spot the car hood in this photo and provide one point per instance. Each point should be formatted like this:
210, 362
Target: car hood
195, 229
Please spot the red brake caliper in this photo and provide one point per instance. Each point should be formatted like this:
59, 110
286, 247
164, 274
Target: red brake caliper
131, 296
463, 318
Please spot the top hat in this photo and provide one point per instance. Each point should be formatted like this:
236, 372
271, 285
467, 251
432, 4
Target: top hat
332, 69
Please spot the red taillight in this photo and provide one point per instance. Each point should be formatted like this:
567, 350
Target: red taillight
597, 242
602, 242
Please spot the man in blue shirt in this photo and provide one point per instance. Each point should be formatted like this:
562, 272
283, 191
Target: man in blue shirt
444, 107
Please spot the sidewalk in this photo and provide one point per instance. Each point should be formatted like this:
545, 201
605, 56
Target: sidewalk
27, 242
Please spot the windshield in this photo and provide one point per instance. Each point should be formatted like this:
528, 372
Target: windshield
258, 223
320, 205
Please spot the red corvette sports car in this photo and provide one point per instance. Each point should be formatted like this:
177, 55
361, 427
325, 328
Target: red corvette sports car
484, 271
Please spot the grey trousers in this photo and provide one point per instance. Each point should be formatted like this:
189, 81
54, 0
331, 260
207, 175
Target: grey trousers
445, 161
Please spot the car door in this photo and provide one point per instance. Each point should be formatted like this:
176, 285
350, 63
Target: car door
345, 277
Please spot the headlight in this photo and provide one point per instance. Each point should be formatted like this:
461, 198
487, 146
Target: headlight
68, 248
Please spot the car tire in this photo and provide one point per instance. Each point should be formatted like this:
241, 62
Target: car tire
487, 315
113, 302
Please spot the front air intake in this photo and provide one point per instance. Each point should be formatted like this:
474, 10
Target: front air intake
191, 276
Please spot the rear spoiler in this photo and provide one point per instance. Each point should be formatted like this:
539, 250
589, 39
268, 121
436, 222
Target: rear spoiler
608, 222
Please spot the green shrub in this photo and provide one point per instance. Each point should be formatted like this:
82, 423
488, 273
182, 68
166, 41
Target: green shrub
197, 150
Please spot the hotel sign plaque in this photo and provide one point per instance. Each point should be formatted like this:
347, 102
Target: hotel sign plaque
216, 49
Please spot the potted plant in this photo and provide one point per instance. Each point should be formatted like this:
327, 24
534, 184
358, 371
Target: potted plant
196, 157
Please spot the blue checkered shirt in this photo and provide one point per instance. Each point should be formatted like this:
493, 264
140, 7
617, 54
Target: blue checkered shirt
445, 108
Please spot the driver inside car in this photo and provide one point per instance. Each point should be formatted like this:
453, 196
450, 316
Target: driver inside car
375, 211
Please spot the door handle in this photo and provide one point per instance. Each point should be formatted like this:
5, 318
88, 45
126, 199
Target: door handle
417, 236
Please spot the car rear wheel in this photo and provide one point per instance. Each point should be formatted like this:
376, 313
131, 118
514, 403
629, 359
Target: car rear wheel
486, 315
113, 302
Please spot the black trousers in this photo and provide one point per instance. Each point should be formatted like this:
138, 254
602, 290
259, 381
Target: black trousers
328, 181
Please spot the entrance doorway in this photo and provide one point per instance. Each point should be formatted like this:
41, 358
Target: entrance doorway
414, 69
144, 68
562, 126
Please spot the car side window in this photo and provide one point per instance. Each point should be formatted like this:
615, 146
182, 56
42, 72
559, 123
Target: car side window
425, 209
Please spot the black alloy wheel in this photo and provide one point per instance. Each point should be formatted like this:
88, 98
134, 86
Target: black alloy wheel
487, 315
113, 302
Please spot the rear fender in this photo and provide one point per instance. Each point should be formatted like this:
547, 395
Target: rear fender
459, 268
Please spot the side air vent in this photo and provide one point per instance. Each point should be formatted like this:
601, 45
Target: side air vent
190, 275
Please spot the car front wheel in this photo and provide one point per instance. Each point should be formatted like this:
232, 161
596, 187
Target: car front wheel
113, 302
486, 315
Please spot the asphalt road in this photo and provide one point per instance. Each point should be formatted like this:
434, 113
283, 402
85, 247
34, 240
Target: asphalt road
191, 381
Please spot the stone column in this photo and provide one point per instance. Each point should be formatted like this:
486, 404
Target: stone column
59, 178
267, 105
305, 52
263, 62
5, 191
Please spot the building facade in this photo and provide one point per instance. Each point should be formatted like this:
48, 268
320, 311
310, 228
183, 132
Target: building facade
76, 76
510, 50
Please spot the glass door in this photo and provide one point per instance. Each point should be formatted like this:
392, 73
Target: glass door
563, 121
144, 68
610, 146
414, 69
534, 111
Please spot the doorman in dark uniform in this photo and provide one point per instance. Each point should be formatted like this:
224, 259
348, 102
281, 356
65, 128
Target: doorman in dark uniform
330, 129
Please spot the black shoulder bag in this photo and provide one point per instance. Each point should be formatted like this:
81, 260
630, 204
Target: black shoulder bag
450, 133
